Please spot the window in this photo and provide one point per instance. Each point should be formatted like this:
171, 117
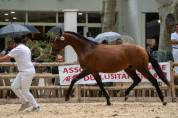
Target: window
49, 17
94, 31
60, 17
81, 17
12, 16
94, 18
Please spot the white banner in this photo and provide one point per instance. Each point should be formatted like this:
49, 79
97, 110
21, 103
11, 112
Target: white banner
67, 73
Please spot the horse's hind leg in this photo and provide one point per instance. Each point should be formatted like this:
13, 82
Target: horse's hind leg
136, 80
80, 76
100, 84
154, 82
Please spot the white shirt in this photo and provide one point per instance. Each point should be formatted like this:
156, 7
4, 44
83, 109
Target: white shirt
174, 36
22, 56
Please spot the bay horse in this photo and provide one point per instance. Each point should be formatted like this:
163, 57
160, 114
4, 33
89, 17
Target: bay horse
95, 58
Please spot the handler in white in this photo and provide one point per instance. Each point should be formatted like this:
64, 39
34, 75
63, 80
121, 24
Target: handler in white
174, 42
23, 80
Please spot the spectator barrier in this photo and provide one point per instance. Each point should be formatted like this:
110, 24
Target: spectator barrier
47, 89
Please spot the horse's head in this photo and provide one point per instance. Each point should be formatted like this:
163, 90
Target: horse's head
71, 38
58, 44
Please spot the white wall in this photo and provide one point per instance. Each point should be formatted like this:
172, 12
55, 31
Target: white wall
51, 5
148, 5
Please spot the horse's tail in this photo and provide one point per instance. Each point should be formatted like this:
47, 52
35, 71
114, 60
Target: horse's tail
158, 70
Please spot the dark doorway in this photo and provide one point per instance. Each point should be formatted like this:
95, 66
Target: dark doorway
152, 31
2, 41
2, 44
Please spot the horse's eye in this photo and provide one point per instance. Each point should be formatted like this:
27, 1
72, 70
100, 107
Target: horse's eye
62, 38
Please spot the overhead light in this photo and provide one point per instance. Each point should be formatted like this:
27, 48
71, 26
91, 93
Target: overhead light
12, 12
159, 21
6, 14
14, 18
80, 13
6, 20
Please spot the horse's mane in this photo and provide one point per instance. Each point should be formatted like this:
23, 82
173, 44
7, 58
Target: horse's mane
82, 37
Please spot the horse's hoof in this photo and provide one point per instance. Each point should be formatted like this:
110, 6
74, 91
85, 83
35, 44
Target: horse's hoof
164, 103
126, 98
109, 104
66, 98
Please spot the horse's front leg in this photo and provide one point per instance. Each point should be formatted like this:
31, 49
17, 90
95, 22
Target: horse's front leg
136, 80
100, 84
80, 76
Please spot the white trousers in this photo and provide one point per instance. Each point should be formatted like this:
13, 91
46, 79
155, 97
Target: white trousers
175, 56
21, 87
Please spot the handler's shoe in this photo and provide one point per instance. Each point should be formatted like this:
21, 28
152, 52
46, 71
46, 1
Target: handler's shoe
24, 106
36, 109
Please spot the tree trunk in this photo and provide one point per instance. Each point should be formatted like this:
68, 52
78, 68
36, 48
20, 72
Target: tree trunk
109, 18
168, 17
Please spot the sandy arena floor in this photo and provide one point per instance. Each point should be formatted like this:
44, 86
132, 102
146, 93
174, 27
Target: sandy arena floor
94, 110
